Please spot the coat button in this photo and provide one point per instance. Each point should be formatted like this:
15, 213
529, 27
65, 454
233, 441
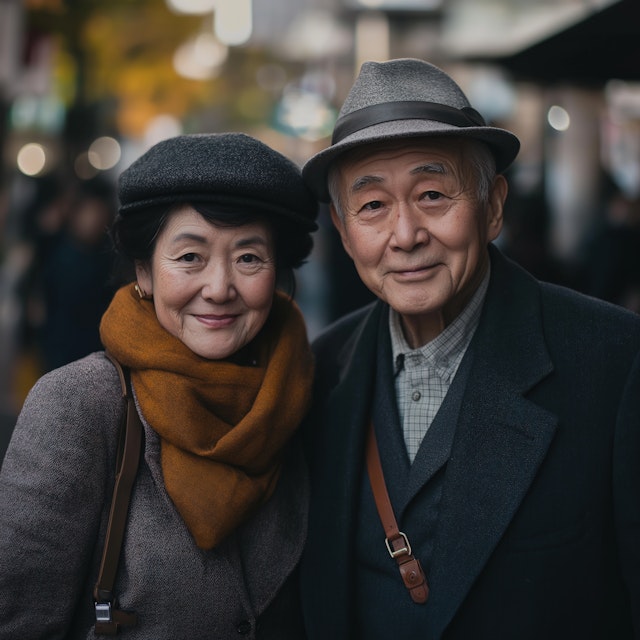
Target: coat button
416, 395
244, 627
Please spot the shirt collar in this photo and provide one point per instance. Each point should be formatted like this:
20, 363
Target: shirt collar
445, 348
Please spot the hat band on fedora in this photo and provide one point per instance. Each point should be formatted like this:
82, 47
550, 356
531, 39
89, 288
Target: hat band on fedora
404, 110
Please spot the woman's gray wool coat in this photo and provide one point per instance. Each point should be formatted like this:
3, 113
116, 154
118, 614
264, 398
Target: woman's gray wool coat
55, 491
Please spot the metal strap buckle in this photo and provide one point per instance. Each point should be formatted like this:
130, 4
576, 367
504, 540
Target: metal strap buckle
103, 612
406, 550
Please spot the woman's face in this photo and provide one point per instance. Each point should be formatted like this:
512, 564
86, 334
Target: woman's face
212, 286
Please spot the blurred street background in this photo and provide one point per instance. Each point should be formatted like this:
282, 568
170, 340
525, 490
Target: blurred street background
86, 86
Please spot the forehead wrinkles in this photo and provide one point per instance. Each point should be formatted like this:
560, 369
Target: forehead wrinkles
424, 168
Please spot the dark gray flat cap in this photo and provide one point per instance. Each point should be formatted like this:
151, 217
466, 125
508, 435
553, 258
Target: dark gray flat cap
405, 98
231, 170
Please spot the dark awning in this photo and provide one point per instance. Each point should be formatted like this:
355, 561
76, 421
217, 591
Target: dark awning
601, 47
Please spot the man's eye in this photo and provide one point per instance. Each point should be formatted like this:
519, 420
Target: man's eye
432, 195
248, 258
373, 205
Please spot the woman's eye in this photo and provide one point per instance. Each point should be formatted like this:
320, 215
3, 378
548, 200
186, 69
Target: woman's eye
248, 258
188, 257
432, 195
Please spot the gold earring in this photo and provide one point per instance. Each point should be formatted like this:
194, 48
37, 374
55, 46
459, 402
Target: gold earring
139, 291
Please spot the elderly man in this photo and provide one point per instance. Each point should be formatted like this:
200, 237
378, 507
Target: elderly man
475, 442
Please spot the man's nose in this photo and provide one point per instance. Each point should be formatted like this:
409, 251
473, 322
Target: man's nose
409, 228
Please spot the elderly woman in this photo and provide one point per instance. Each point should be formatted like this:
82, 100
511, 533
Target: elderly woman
221, 372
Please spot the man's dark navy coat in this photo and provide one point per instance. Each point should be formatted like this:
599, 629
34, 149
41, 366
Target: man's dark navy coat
537, 528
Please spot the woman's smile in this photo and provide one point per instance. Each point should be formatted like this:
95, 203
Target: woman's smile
216, 321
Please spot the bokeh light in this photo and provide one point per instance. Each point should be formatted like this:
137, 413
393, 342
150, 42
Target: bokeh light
558, 118
191, 7
31, 159
233, 21
200, 58
104, 153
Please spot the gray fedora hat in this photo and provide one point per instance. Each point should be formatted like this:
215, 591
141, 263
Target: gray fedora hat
405, 98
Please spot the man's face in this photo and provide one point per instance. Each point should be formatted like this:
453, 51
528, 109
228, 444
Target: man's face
415, 230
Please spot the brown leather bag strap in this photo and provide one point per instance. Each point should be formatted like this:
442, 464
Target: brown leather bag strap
397, 542
109, 618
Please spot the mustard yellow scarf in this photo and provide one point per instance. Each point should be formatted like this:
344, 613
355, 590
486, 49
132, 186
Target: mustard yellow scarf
222, 425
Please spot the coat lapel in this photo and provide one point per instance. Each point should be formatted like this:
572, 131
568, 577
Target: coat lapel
500, 441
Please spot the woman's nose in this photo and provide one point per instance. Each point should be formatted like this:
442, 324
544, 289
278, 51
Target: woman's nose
217, 283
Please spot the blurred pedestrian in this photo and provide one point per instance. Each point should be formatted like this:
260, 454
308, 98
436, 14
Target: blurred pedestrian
75, 277
613, 260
